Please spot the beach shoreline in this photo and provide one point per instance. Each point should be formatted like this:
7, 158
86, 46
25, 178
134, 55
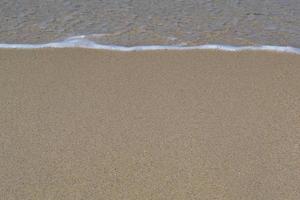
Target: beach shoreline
82, 41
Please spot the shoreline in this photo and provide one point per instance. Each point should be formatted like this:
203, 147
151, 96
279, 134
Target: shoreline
81, 42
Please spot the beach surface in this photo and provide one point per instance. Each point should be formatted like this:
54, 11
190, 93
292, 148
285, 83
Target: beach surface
199, 124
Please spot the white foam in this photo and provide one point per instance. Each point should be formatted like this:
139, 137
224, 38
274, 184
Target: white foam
82, 42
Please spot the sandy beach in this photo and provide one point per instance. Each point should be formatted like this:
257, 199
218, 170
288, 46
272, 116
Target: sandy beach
93, 124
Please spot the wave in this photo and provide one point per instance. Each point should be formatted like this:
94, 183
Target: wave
82, 42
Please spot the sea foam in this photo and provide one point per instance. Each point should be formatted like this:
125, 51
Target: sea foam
82, 42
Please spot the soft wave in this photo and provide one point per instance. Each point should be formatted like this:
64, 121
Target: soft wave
82, 42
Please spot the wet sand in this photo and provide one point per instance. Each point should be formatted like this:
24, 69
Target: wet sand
92, 124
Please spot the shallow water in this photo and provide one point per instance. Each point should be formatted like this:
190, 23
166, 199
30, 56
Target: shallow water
153, 22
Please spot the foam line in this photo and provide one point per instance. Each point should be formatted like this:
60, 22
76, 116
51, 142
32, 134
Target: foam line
82, 42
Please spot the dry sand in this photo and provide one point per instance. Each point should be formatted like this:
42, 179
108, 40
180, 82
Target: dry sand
91, 124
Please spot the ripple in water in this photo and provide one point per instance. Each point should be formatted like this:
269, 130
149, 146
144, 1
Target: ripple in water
157, 22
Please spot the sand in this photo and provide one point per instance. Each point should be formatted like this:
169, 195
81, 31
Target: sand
92, 124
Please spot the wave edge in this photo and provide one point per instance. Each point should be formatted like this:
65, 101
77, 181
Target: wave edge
82, 42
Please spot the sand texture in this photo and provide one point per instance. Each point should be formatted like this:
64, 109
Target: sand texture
170, 125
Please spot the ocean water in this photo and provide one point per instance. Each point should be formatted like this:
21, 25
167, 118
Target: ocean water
153, 23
